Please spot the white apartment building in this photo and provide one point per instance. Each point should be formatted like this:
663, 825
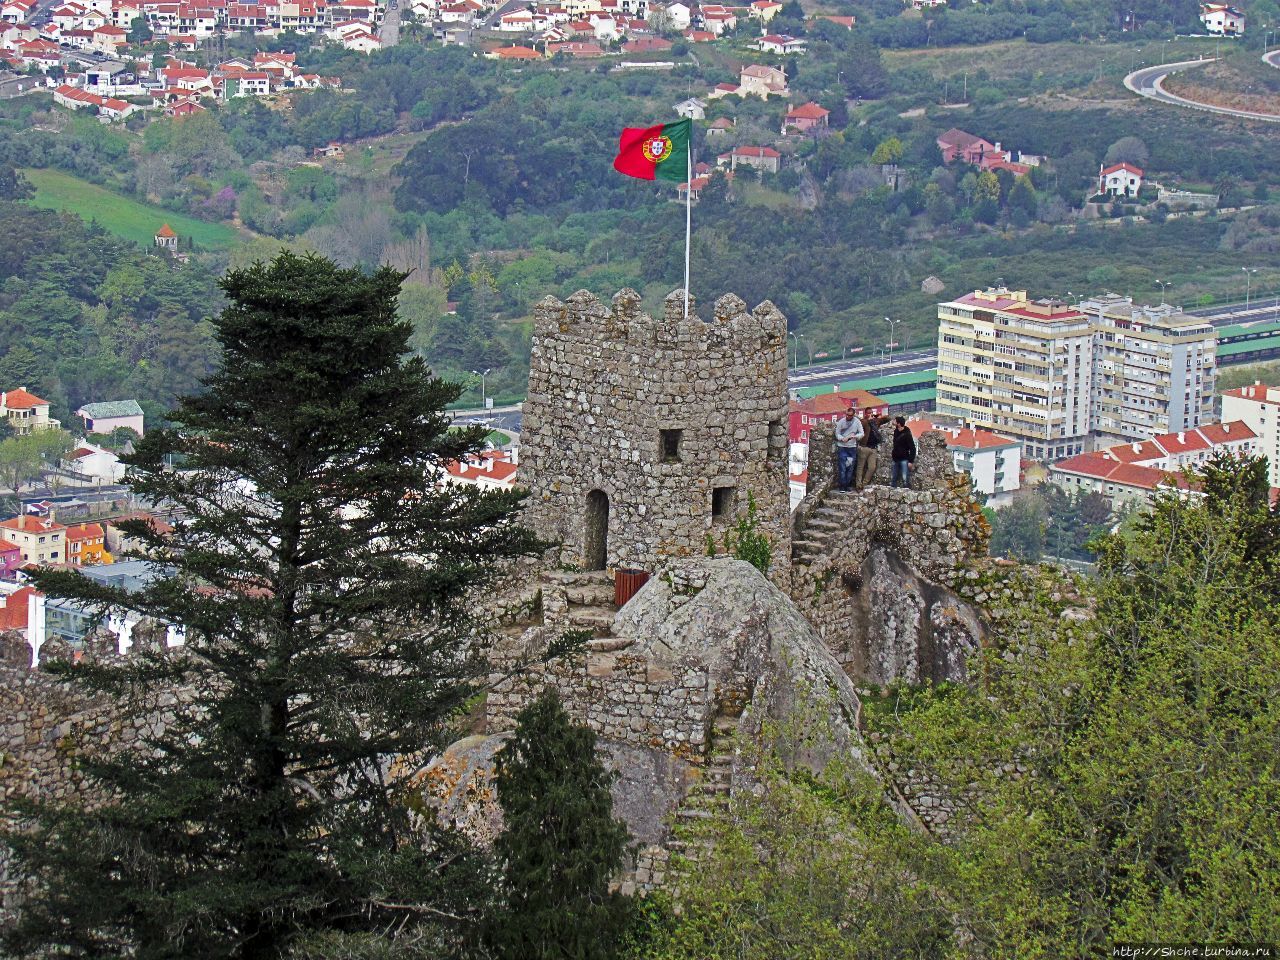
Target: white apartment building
1154, 369
1018, 367
1259, 407
1063, 378
993, 462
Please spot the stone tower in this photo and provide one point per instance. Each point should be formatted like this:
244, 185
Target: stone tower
643, 437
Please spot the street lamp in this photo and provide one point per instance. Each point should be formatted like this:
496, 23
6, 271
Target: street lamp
795, 353
892, 324
482, 375
1164, 289
1248, 279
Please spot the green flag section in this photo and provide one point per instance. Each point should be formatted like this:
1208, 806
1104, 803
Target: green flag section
655, 153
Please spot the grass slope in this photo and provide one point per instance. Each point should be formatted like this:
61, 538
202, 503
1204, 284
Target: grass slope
122, 216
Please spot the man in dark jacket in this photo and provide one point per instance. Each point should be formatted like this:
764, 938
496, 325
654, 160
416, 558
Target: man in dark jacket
904, 452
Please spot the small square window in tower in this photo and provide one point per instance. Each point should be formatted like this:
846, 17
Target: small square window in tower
723, 501
669, 445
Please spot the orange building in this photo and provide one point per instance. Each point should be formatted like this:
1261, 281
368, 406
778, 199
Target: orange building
86, 545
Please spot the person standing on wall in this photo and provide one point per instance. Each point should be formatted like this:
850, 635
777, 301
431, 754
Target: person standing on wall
848, 433
904, 452
868, 451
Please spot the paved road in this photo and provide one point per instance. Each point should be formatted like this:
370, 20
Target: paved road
1149, 82
389, 32
1272, 58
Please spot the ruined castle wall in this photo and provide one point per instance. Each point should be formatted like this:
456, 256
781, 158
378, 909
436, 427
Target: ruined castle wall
621, 696
605, 382
876, 571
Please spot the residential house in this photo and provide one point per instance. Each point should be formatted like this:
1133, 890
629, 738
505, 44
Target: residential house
653, 45
1124, 484
166, 239
993, 462
17, 11
673, 16
108, 40
1258, 407
517, 21
956, 144
330, 151
86, 545
25, 411
250, 83
1222, 20
701, 36
780, 43
95, 463
694, 188
514, 52
765, 159
806, 118
40, 539
1120, 180
764, 10
120, 543
490, 470
15, 608
762, 81
719, 128
829, 407
716, 19
693, 108
183, 107
10, 559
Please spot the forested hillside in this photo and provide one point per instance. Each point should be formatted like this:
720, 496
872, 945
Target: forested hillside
85, 316
492, 184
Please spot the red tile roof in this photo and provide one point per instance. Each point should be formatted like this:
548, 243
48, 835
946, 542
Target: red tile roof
13, 615
1115, 168
28, 524
7, 547
85, 531
838, 402
808, 111
1228, 432
20, 399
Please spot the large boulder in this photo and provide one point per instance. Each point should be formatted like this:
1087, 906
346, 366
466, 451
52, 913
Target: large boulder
707, 655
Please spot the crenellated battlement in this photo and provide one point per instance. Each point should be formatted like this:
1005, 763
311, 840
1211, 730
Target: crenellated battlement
732, 325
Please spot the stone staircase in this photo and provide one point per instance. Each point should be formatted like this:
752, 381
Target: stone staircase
709, 797
590, 600
824, 524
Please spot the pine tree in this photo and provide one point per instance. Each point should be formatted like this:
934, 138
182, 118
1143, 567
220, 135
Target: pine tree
322, 575
561, 845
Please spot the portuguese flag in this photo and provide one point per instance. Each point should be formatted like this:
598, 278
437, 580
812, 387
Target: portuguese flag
655, 153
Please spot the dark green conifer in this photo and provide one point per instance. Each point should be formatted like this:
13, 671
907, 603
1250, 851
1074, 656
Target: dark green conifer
561, 845
324, 579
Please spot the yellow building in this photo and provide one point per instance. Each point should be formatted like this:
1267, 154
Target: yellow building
86, 545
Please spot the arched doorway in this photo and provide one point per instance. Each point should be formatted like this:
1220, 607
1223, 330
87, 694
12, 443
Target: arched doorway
595, 540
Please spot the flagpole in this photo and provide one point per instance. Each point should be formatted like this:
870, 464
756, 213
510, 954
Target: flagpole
688, 220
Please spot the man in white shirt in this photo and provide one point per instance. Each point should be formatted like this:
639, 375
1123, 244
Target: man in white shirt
848, 433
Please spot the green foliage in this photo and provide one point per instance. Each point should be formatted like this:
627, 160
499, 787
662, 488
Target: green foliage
746, 541
328, 631
560, 846
1116, 775
23, 458
813, 865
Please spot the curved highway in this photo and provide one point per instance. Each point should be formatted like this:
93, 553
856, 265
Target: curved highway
1149, 82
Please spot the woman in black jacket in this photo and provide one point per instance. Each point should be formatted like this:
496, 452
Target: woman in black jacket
904, 452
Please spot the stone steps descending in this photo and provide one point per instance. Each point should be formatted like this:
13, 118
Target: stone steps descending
590, 595
598, 620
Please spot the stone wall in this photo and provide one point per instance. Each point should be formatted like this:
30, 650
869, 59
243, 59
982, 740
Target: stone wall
643, 437
875, 571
